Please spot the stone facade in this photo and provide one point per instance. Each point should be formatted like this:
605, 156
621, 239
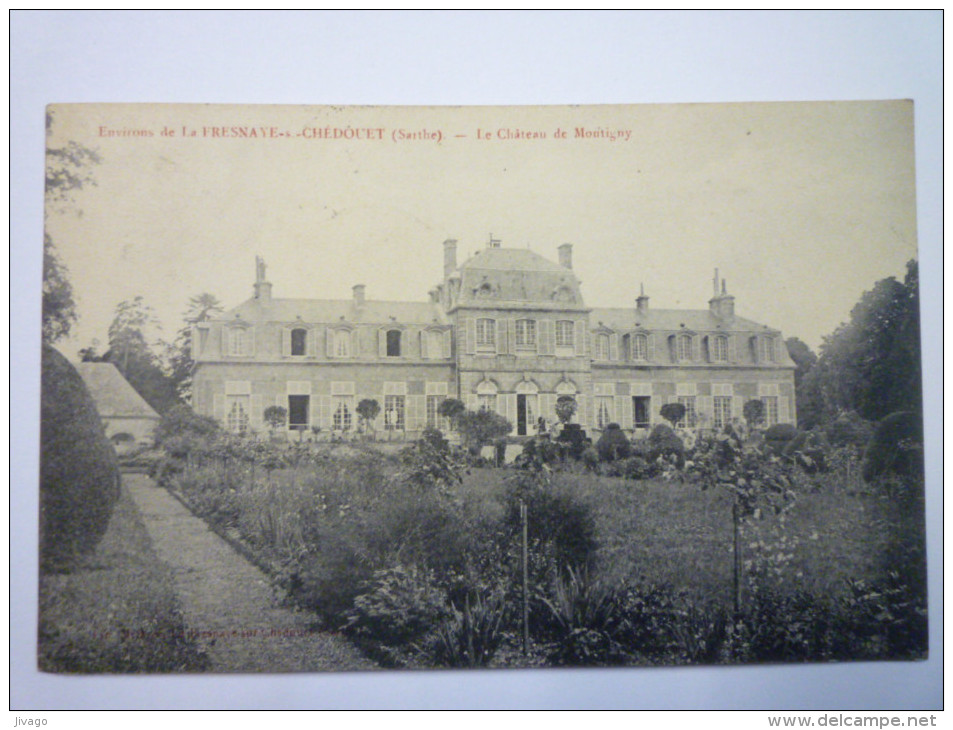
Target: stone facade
506, 330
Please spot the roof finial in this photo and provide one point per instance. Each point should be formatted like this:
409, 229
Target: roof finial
494, 242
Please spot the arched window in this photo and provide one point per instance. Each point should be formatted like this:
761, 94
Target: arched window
640, 347
486, 396
719, 348
683, 345
393, 343
299, 339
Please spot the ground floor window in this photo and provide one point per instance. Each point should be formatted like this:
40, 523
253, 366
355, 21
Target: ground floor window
770, 409
722, 414
488, 403
688, 421
342, 413
434, 420
237, 413
393, 413
641, 414
298, 411
603, 411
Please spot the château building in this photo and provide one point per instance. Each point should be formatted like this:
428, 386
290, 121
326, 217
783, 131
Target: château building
506, 330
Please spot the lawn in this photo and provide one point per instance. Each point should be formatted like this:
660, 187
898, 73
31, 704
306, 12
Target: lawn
115, 612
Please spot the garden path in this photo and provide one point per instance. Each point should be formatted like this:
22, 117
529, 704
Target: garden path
228, 605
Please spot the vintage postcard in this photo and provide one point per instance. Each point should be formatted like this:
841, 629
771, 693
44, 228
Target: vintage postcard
361, 388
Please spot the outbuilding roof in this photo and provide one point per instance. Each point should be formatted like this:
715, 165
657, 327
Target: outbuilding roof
112, 393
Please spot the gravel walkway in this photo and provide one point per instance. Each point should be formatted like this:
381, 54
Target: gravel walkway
228, 604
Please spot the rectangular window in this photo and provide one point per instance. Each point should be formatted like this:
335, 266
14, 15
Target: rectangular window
640, 347
565, 333
236, 413
719, 349
766, 345
641, 411
602, 347
486, 334
393, 413
722, 414
683, 344
236, 342
434, 420
688, 421
342, 343
526, 333
298, 411
342, 412
770, 409
604, 408
299, 339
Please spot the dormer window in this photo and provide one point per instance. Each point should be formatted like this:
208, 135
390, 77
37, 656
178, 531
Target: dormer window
602, 347
637, 347
236, 341
342, 343
393, 343
299, 340
765, 349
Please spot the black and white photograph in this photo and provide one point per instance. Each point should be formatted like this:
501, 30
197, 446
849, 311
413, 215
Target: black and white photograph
477, 360
387, 388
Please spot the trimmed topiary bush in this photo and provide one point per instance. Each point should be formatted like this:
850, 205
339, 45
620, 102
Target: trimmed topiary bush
778, 436
613, 444
79, 476
574, 438
664, 442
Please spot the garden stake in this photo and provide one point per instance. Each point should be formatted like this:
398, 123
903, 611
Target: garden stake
525, 581
736, 567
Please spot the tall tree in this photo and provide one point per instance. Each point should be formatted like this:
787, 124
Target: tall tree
179, 355
808, 411
68, 169
130, 351
871, 364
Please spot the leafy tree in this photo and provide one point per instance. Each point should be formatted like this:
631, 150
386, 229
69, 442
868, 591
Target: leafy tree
753, 411
478, 428
275, 417
673, 413
68, 169
180, 361
566, 408
451, 409
871, 364
368, 409
90, 353
131, 352
803, 356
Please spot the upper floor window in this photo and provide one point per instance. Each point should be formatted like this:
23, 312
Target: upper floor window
565, 331
526, 333
342, 343
683, 347
640, 347
393, 343
434, 344
719, 348
602, 347
486, 334
766, 349
236, 341
299, 339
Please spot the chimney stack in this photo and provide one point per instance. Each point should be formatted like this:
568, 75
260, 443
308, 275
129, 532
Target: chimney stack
642, 301
358, 290
262, 287
722, 304
449, 257
565, 255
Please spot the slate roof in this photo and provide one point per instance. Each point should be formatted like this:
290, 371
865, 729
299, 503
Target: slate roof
697, 320
111, 392
516, 275
330, 311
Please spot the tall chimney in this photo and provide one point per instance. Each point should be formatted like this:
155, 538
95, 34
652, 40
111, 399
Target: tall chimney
262, 287
358, 290
449, 257
565, 255
722, 304
642, 301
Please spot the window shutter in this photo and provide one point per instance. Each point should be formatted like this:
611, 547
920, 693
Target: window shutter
250, 341
622, 413
650, 348
311, 338
218, 408
501, 347
547, 337
511, 336
696, 348
285, 341
755, 355
778, 350
708, 349
580, 338
329, 342
382, 343
738, 406
470, 326
784, 410
423, 344
672, 352
448, 344
732, 349
323, 412
508, 410
355, 344
613, 346
706, 407
257, 419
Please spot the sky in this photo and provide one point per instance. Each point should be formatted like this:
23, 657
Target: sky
800, 206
